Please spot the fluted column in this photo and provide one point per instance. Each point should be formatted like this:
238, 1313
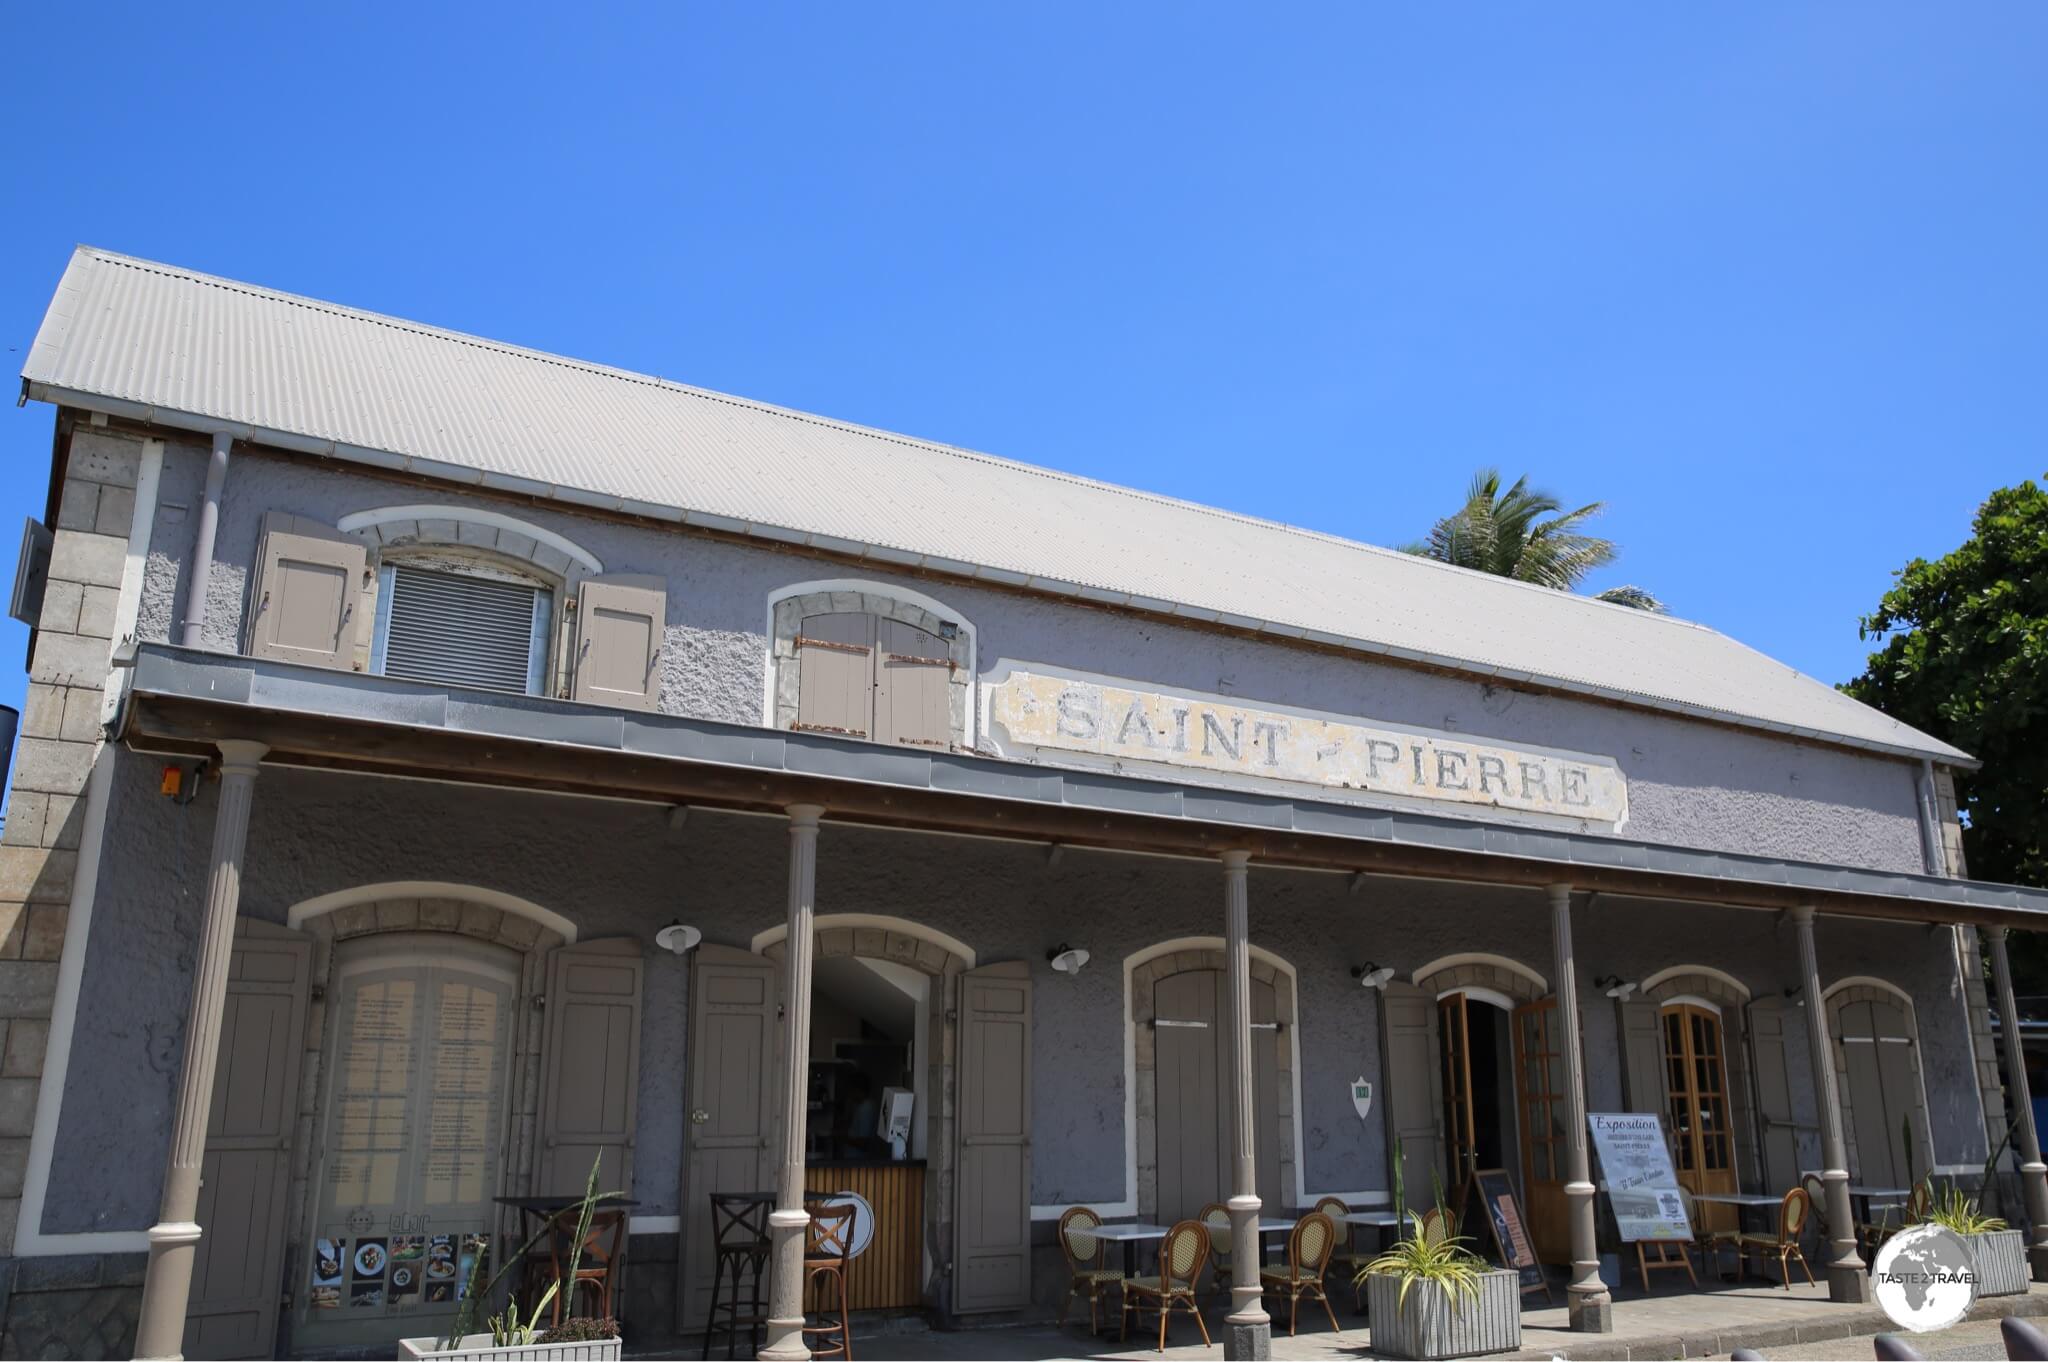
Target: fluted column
2033, 1173
1589, 1305
789, 1219
1249, 1332
174, 1239
1847, 1280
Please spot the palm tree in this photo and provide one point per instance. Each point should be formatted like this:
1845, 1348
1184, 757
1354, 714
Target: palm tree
1526, 534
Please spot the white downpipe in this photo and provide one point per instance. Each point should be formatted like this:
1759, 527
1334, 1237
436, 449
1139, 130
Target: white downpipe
194, 631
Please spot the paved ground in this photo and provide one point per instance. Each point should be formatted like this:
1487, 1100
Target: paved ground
1801, 1323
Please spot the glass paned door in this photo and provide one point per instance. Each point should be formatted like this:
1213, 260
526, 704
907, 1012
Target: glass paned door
419, 1033
1460, 1131
1539, 1090
1695, 1081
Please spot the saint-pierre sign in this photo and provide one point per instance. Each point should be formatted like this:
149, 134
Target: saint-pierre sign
1125, 724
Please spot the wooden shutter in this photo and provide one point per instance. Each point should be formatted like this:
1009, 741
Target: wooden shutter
1769, 1071
1642, 1055
308, 578
619, 630
732, 1075
1413, 1090
238, 1275
913, 686
835, 687
592, 1066
1883, 1094
992, 1189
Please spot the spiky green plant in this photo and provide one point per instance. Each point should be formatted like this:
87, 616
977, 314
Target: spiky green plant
1445, 1264
1955, 1210
476, 1292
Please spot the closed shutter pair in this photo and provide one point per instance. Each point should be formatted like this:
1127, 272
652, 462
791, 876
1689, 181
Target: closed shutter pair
461, 631
869, 677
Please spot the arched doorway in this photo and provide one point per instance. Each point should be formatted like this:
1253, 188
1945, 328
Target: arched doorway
1696, 1103
1180, 1018
1480, 1084
1877, 1066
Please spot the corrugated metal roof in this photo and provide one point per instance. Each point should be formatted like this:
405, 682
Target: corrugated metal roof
189, 350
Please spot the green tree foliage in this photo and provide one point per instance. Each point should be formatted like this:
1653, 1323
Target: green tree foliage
1965, 657
1526, 534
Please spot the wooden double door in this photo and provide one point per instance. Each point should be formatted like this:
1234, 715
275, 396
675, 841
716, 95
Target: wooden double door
1192, 1060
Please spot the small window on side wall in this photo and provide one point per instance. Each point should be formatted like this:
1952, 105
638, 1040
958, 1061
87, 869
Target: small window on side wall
462, 629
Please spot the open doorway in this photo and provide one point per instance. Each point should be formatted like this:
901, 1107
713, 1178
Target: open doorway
1478, 1083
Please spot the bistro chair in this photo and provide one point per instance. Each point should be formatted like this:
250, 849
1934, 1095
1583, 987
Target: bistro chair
1309, 1246
1817, 1210
1215, 1218
740, 1244
1709, 1243
596, 1265
828, 1257
1182, 1254
1088, 1271
1347, 1259
1792, 1215
1435, 1228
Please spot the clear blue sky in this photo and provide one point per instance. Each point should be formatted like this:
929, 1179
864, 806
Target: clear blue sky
1771, 280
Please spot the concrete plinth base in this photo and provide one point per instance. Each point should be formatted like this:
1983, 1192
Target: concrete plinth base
1248, 1342
1848, 1285
1590, 1314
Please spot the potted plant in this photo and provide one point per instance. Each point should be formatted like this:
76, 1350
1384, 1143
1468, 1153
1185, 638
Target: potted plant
2000, 1253
506, 1337
1432, 1297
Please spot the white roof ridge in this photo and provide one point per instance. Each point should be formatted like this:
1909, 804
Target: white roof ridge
836, 423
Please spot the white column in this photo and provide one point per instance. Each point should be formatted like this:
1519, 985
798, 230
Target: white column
1846, 1279
174, 1239
1249, 1333
2033, 1173
789, 1219
1589, 1306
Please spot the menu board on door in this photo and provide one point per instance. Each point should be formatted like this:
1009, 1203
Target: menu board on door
1642, 1187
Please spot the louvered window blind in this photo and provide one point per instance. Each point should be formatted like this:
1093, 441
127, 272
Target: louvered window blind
459, 630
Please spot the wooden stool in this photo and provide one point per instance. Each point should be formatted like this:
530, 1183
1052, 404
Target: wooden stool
596, 1265
739, 1237
828, 1255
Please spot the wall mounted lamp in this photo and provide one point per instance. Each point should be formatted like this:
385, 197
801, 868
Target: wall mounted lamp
1371, 975
678, 938
1066, 959
1615, 986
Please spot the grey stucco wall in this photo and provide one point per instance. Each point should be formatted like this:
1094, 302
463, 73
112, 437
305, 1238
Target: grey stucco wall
1690, 784
617, 869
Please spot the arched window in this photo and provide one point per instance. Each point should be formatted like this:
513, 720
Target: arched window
864, 661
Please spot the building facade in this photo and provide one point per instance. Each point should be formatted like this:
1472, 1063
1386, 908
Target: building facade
391, 690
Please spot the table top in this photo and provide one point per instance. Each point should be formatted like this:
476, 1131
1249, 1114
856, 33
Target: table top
1738, 1198
1119, 1233
548, 1205
1273, 1224
1368, 1218
1900, 1192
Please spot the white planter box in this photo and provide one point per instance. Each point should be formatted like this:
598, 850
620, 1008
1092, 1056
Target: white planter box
1427, 1328
477, 1348
2001, 1261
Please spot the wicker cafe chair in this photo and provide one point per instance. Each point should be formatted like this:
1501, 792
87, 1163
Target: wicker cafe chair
1435, 1227
1709, 1243
1309, 1248
1792, 1216
1182, 1254
1215, 1218
1088, 1271
1348, 1259
1817, 1209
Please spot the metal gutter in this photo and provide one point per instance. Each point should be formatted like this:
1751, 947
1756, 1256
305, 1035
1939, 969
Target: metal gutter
882, 553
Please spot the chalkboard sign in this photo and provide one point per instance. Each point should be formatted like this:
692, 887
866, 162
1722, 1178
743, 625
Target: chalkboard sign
1510, 1235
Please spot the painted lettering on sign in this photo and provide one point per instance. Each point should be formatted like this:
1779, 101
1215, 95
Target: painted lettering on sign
1129, 724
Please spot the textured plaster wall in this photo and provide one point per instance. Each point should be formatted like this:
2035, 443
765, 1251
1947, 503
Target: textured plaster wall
1689, 784
617, 869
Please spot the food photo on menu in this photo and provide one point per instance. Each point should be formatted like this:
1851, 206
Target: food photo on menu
366, 1274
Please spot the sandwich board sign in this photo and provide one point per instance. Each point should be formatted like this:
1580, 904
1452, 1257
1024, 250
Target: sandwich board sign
1642, 1187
